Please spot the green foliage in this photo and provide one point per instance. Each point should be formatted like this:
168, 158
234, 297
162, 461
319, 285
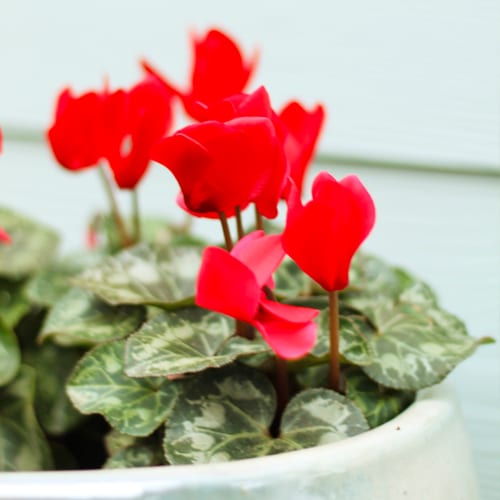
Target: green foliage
33, 245
80, 318
133, 406
10, 356
188, 340
144, 274
23, 445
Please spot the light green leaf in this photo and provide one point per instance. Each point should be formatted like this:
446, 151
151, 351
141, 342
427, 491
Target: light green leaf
184, 341
33, 245
320, 416
378, 404
23, 446
49, 285
10, 356
133, 406
81, 318
221, 415
144, 275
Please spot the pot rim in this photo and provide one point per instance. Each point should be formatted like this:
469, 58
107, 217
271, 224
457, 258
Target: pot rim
432, 409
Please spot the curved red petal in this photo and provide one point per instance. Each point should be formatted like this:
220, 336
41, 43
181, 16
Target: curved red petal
262, 254
226, 285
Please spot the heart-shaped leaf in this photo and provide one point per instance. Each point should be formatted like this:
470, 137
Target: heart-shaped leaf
320, 416
81, 318
23, 447
33, 245
184, 341
133, 406
144, 274
221, 415
378, 404
10, 356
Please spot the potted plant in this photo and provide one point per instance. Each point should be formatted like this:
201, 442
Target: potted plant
290, 362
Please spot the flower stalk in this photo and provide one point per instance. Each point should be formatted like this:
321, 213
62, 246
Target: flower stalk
334, 373
225, 230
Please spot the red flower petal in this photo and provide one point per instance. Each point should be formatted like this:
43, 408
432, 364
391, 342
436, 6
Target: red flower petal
303, 131
226, 285
5, 237
260, 253
323, 236
289, 330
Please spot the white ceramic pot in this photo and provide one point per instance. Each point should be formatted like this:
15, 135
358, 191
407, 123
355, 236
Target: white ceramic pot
422, 454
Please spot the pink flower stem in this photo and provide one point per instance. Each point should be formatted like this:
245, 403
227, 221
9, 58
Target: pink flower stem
334, 375
120, 225
239, 223
259, 223
136, 218
225, 229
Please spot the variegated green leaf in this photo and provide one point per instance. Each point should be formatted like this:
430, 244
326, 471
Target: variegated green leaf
10, 356
133, 406
23, 446
290, 281
184, 341
354, 338
13, 302
320, 416
221, 415
49, 285
33, 245
81, 318
116, 441
416, 347
144, 275
137, 455
378, 404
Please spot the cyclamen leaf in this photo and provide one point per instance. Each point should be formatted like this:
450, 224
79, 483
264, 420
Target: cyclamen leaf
184, 341
23, 447
53, 366
13, 303
320, 416
132, 406
415, 348
290, 281
10, 356
144, 275
136, 455
221, 415
49, 285
378, 404
354, 342
33, 245
81, 318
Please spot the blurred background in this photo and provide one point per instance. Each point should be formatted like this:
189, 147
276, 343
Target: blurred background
412, 91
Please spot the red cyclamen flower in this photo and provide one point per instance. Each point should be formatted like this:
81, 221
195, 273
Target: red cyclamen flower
303, 129
222, 166
322, 236
137, 120
75, 136
231, 283
218, 71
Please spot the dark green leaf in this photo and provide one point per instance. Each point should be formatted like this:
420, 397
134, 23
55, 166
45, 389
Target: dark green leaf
13, 302
22, 443
378, 404
136, 455
133, 406
80, 318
